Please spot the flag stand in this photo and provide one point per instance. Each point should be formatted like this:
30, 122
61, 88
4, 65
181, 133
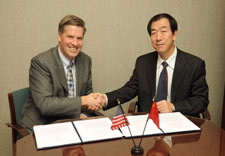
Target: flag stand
136, 149
118, 101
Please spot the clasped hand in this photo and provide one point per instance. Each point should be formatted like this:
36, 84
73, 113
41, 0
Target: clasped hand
94, 101
164, 106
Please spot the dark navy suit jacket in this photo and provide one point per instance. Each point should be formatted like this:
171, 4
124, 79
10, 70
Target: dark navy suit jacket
189, 90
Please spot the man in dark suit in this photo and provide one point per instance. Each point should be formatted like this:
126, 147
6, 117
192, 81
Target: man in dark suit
53, 95
187, 87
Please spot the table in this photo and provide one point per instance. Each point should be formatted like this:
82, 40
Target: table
209, 142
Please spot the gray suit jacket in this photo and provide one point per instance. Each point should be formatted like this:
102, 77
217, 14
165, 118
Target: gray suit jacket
48, 86
189, 90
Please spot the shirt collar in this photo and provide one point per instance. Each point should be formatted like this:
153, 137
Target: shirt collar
65, 61
170, 61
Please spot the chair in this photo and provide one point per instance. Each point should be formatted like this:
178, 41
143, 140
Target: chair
16, 102
223, 113
132, 109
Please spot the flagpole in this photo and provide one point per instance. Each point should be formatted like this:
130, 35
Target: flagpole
136, 150
145, 124
144, 130
118, 101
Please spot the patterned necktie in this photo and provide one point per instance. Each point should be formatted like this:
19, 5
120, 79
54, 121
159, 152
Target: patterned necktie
162, 84
70, 81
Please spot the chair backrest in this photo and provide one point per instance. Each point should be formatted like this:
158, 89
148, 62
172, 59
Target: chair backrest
16, 102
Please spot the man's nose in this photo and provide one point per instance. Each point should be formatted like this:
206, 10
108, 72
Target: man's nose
158, 36
74, 42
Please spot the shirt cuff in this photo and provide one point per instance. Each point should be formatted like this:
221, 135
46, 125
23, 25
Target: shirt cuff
173, 108
106, 100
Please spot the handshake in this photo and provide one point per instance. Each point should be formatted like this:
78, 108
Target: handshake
94, 101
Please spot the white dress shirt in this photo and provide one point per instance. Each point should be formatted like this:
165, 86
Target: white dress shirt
170, 68
66, 62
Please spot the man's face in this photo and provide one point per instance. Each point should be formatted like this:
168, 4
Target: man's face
162, 37
71, 41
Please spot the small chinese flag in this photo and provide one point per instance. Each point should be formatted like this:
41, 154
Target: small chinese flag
119, 120
154, 114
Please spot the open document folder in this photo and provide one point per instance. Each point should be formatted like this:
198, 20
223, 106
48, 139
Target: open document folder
83, 131
169, 123
75, 132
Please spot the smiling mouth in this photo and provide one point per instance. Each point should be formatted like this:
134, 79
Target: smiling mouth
73, 49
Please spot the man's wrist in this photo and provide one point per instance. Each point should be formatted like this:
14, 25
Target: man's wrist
83, 101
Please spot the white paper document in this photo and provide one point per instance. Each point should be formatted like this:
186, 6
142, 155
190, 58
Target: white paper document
137, 124
83, 131
176, 122
169, 123
54, 135
96, 129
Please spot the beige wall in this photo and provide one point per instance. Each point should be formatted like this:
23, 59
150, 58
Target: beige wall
116, 35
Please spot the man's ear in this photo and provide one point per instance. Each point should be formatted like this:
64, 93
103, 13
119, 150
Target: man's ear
59, 36
175, 35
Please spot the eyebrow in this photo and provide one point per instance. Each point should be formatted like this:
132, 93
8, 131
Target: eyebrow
159, 28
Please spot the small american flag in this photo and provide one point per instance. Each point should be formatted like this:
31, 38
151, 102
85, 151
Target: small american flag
119, 120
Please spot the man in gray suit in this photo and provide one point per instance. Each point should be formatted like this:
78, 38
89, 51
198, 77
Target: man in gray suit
187, 87
55, 96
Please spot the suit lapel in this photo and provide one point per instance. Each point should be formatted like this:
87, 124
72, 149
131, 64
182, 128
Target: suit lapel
60, 69
78, 74
151, 72
62, 77
178, 74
